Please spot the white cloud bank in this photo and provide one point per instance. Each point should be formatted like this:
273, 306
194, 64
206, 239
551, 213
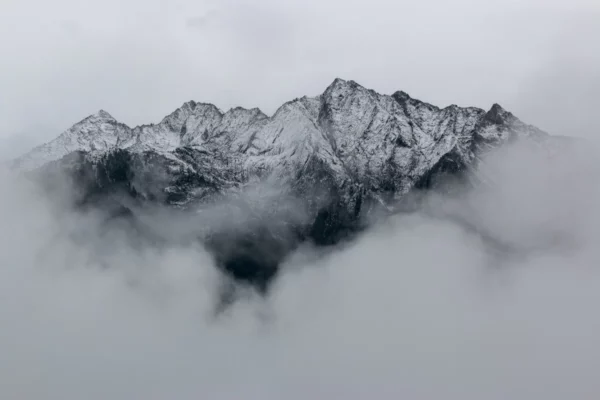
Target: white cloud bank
418, 308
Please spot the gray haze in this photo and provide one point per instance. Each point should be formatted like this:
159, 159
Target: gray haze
65, 59
502, 305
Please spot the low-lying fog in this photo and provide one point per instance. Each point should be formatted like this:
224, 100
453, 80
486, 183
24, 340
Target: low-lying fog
503, 305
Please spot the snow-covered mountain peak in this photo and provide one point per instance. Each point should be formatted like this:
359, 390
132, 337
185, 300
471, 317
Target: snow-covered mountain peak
97, 118
341, 88
498, 115
342, 156
103, 115
246, 114
96, 134
348, 127
190, 109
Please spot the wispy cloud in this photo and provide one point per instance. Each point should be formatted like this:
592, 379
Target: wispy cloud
418, 307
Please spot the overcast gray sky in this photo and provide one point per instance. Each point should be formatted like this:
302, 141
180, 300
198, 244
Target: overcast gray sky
417, 308
65, 59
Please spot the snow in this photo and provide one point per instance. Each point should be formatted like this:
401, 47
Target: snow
96, 134
356, 132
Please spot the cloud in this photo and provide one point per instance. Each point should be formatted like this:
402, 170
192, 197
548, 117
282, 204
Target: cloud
421, 306
200, 21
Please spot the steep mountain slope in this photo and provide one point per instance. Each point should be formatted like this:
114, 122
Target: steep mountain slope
316, 170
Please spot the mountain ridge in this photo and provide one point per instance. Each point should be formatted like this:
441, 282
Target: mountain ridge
337, 160
190, 121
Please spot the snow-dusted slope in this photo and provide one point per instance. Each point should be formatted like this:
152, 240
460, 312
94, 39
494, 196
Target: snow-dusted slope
378, 143
96, 134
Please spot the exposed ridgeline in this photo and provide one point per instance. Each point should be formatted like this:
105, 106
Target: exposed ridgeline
316, 170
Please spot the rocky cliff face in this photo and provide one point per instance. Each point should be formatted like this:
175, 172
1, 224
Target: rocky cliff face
316, 170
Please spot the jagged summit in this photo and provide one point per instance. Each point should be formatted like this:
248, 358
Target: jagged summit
103, 115
401, 96
339, 83
100, 116
497, 114
348, 124
341, 88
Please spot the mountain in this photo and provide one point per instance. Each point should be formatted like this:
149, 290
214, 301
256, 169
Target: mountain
317, 170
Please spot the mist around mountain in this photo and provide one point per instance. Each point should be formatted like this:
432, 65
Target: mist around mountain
253, 188
478, 282
421, 305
